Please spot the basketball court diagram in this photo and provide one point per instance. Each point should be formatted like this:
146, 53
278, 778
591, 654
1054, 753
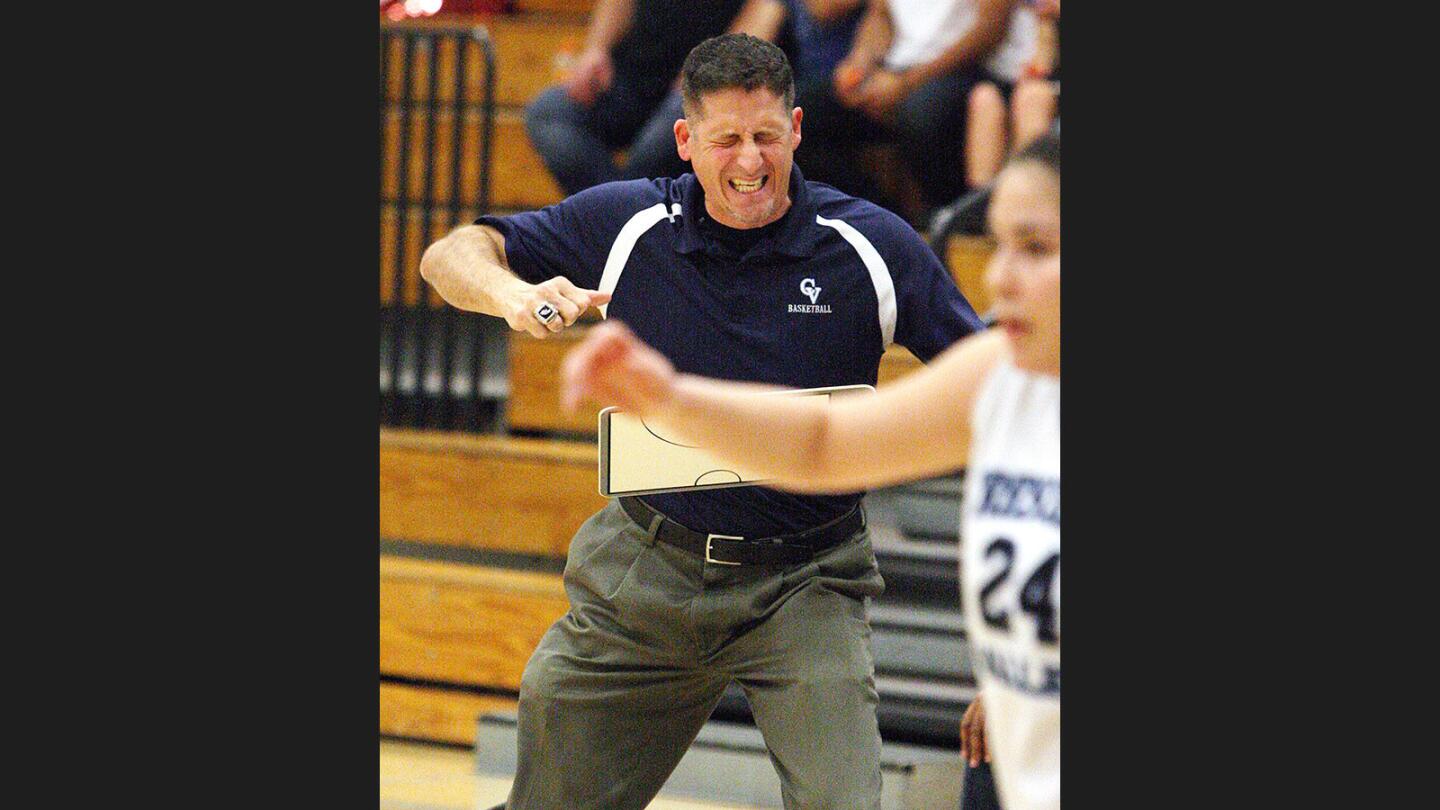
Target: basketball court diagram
637, 458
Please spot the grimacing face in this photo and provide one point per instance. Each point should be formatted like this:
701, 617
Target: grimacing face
741, 146
1024, 271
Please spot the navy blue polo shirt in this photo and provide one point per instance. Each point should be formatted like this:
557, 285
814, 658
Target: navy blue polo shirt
812, 303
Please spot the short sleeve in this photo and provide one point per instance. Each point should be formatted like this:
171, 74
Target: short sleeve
931, 312
570, 238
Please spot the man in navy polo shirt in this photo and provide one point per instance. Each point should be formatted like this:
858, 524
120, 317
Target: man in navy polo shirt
741, 271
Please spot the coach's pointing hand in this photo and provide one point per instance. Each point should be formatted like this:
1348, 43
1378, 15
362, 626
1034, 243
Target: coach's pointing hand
550, 306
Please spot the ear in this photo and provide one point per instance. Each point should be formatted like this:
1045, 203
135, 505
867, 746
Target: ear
795, 116
682, 138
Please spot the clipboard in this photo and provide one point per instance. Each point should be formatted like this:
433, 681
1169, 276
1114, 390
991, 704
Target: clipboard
637, 459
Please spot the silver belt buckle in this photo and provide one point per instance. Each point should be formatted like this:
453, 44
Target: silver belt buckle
710, 537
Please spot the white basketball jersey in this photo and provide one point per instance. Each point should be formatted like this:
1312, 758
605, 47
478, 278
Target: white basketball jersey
1010, 563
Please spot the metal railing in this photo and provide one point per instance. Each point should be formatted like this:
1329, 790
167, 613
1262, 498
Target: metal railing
437, 122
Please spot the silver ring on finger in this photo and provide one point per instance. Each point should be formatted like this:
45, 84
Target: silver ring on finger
546, 312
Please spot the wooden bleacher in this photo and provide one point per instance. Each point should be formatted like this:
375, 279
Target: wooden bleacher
457, 627
454, 637
518, 178
436, 714
517, 495
579, 7
532, 51
535, 385
465, 625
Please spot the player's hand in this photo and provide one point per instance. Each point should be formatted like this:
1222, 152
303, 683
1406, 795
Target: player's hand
972, 734
593, 74
568, 300
613, 367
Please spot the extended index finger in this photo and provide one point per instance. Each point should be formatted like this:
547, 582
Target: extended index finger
579, 296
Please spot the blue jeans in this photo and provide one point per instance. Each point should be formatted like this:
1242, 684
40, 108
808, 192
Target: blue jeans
576, 141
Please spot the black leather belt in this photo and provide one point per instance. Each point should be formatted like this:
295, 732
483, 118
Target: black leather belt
724, 549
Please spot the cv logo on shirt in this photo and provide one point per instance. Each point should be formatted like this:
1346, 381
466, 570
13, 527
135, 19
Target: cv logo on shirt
808, 287
813, 293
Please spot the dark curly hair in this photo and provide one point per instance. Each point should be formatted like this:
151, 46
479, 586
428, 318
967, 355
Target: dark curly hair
735, 61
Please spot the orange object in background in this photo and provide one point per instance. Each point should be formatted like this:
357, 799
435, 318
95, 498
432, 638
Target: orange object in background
403, 9
562, 64
849, 77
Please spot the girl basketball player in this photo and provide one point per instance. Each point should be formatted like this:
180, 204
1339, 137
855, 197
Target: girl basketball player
990, 403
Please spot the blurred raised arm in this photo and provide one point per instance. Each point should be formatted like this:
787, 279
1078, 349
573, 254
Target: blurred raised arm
914, 428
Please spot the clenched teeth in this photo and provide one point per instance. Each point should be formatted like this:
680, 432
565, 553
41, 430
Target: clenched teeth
748, 187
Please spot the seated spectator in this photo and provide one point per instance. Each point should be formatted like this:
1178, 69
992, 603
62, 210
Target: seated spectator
820, 32
823, 31
815, 34
1033, 103
906, 80
614, 97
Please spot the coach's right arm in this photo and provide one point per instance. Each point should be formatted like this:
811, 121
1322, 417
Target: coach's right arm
470, 271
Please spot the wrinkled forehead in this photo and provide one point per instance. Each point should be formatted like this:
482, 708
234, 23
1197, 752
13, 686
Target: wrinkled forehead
737, 108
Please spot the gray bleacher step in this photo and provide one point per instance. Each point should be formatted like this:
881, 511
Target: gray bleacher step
917, 574
918, 619
921, 656
919, 642
921, 690
949, 486
729, 763
887, 537
926, 510
927, 518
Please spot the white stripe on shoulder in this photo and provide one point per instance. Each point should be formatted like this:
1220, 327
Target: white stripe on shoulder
625, 243
879, 274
